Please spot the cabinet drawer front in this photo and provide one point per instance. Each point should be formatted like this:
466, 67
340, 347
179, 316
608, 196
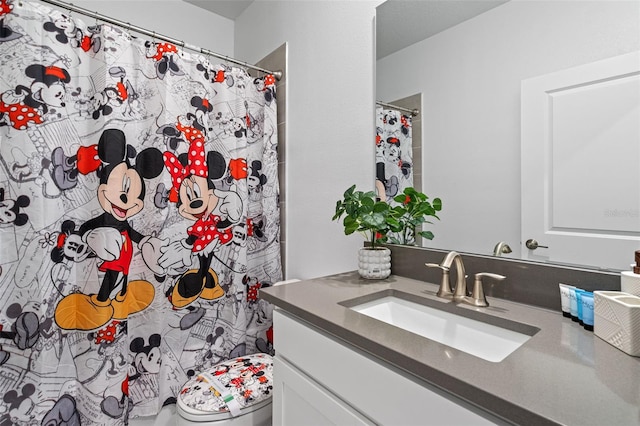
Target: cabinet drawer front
298, 400
386, 395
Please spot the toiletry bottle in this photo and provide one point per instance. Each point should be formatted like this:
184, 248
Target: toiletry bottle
587, 310
574, 303
579, 293
565, 299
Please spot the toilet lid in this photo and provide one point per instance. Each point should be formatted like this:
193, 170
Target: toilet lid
234, 387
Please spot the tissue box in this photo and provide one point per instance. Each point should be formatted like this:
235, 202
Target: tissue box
617, 320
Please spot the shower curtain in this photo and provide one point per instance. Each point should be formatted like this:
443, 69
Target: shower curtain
138, 218
394, 171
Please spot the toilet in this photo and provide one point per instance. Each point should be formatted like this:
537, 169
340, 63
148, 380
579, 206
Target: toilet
206, 400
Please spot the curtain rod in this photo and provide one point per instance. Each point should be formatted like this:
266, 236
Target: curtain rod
413, 112
72, 8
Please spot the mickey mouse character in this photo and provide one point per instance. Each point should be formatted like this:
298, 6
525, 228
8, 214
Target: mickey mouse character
69, 33
64, 412
256, 180
26, 105
121, 195
64, 169
10, 209
214, 75
24, 332
69, 249
147, 359
69, 245
194, 192
117, 95
20, 406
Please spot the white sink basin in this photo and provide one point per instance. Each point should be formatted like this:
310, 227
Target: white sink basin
490, 342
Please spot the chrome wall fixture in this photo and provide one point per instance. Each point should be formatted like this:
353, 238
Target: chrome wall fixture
413, 112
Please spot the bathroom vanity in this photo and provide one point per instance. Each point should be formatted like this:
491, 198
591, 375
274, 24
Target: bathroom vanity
337, 365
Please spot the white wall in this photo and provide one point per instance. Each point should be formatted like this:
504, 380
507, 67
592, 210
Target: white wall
173, 18
470, 79
330, 118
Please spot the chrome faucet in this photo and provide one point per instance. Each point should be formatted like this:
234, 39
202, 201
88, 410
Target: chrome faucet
459, 295
501, 248
445, 284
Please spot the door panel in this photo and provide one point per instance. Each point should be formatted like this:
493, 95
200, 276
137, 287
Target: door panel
581, 164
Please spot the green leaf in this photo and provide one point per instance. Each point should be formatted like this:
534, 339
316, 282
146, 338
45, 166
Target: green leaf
350, 225
426, 234
349, 192
368, 203
437, 204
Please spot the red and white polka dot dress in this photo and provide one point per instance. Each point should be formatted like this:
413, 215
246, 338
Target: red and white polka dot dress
206, 231
162, 48
20, 115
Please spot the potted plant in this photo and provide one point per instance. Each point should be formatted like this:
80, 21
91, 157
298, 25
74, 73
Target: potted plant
413, 210
365, 214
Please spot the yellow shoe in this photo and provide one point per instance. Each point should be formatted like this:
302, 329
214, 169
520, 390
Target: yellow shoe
139, 295
212, 293
212, 290
187, 288
79, 311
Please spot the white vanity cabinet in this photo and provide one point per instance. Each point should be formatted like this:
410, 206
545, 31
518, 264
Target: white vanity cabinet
320, 380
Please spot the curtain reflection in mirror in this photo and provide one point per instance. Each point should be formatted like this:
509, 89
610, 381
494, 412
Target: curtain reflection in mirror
394, 163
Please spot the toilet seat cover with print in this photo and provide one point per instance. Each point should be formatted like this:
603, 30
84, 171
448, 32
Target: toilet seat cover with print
231, 386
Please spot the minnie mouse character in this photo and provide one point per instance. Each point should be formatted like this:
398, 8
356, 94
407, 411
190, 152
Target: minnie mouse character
194, 192
6, 33
163, 54
187, 128
121, 195
266, 85
26, 105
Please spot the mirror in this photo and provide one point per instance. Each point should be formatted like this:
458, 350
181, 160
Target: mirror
468, 59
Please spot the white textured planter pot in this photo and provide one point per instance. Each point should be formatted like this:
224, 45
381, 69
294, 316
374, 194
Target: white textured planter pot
374, 263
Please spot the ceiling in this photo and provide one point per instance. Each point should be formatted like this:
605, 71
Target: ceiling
400, 23
228, 8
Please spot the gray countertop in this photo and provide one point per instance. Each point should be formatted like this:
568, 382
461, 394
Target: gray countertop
562, 375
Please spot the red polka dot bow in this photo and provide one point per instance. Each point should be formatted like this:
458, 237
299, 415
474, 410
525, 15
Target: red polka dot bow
196, 165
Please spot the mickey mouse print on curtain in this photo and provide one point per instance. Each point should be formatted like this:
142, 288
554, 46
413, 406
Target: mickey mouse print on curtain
138, 218
394, 164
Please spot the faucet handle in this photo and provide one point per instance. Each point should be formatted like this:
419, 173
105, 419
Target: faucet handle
478, 296
445, 285
435, 265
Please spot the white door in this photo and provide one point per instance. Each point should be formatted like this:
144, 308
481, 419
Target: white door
581, 164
